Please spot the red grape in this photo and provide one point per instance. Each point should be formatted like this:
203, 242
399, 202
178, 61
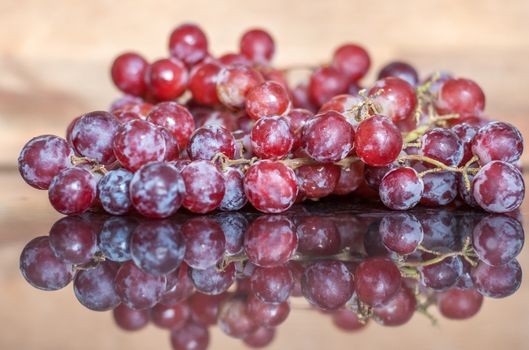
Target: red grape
466, 133
73, 191
260, 338
498, 141
258, 46
203, 83
317, 180
400, 70
297, 118
170, 316
73, 239
377, 280
234, 319
234, 83
43, 158
127, 73
269, 315
94, 288
328, 137
461, 96
188, 43
442, 145
350, 178
459, 304
347, 320
498, 187
401, 188
271, 137
234, 197
378, 141
272, 284
497, 281
205, 187
270, 186
398, 310
166, 79
325, 83
192, 336
210, 140
175, 118
396, 98
205, 242
351, 60
213, 281
401, 232
268, 98
129, 319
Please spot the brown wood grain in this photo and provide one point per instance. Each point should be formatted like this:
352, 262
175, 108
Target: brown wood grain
54, 62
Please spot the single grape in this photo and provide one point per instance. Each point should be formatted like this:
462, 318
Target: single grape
156, 190
157, 247
498, 187
234, 59
497, 281
212, 281
398, 310
210, 140
351, 177
327, 284
188, 43
94, 288
41, 268
401, 232
441, 275
400, 70
498, 141
234, 226
170, 316
139, 142
270, 186
73, 191
267, 314
442, 145
268, 98
113, 191
234, 319
43, 158
466, 134
166, 79
374, 175
497, 239
234, 197
260, 338
92, 136
137, 289
179, 286
378, 141
234, 83
317, 180
270, 241
272, 284
401, 188
205, 187
460, 96
129, 319
192, 336
276, 75
114, 238
347, 320
175, 118
205, 242
343, 104
301, 99
396, 98
328, 137
326, 82
73, 240
351, 60
377, 280
127, 73
459, 304
318, 236
271, 138
257, 45
205, 308
296, 119
440, 188
203, 83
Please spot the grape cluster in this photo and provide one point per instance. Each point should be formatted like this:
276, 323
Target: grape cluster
245, 272
204, 133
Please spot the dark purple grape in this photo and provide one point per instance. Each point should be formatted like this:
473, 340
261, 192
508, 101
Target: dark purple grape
401, 232
401, 188
129, 319
234, 197
156, 190
459, 304
400, 70
113, 191
439, 188
260, 338
170, 316
327, 284
73, 240
212, 281
179, 286
114, 238
498, 239
94, 287
137, 289
234, 226
234, 319
398, 310
347, 320
377, 280
497, 281
441, 275
272, 284
205, 242
157, 247
41, 268
498, 141
318, 236
267, 314
192, 336
205, 308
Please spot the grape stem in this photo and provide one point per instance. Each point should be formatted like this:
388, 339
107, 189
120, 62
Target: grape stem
467, 252
97, 259
96, 167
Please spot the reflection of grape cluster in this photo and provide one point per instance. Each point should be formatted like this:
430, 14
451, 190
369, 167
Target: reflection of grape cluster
244, 272
242, 133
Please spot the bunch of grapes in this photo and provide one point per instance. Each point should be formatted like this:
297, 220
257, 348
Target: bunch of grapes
206, 133
245, 272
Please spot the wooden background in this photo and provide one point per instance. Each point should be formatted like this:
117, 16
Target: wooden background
54, 65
